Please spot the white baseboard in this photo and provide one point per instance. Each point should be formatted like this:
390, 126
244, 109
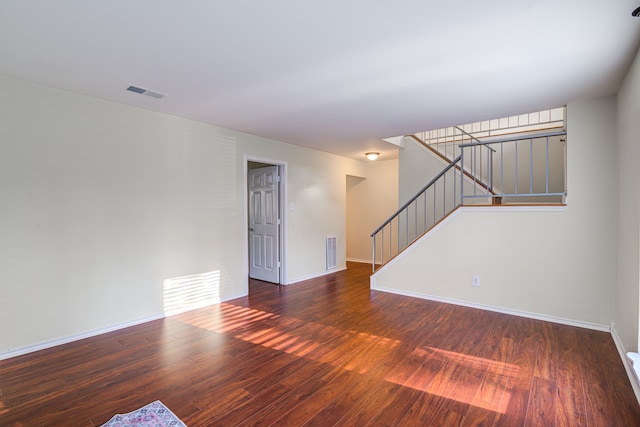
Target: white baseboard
65, 340
313, 276
529, 315
94, 332
632, 371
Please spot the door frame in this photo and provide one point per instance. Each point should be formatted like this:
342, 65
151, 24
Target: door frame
282, 202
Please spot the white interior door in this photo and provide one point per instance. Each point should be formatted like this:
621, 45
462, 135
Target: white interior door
264, 223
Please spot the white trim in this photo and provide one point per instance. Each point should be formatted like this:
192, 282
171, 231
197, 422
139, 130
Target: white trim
282, 168
514, 208
95, 332
313, 276
65, 340
554, 319
632, 370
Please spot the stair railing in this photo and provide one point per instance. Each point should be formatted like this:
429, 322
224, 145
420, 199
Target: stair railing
430, 205
480, 157
529, 167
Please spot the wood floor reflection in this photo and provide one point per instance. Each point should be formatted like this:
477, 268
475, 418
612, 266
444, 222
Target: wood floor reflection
326, 352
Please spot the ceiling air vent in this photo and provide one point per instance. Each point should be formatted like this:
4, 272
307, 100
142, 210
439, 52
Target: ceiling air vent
147, 92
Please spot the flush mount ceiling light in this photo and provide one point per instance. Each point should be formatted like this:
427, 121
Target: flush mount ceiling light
372, 155
147, 92
636, 12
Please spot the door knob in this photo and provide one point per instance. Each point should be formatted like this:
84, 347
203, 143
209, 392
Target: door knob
250, 229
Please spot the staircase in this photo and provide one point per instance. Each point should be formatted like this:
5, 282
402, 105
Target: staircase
514, 164
483, 178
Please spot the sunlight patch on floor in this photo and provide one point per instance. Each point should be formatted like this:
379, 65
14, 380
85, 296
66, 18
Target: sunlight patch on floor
289, 335
481, 382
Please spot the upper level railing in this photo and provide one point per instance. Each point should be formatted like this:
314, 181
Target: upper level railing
447, 140
520, 168
523, 168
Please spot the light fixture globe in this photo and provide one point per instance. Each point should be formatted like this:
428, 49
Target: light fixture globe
372, 155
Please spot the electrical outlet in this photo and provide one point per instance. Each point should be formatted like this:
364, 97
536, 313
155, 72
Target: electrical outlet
475, 280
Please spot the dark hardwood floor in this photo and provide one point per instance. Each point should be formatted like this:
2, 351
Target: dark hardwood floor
328, 352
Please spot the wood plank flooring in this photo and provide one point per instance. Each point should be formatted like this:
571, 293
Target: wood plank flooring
328, 352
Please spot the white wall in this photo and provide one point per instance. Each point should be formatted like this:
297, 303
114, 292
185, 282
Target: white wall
370, 202
100, 203
627, 293
557, 264
417, 167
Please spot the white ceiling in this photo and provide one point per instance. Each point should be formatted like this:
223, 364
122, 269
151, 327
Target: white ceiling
336, 75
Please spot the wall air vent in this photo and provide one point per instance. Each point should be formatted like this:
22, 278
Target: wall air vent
147, 92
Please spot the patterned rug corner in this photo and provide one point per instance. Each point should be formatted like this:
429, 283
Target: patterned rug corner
155, 414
